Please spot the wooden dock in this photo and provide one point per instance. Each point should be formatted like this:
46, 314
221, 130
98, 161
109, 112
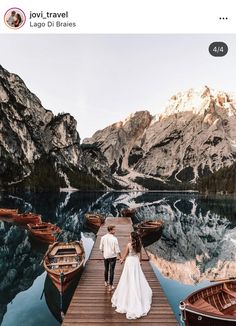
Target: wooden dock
91, 303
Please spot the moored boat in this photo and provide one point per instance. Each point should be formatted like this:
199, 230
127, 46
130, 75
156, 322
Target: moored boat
128, 212
149, 231
94, 220
7, 212
56, 305
63, 262
26, 218
211, 306
44, 232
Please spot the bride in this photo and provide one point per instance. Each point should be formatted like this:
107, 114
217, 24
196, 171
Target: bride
133, 295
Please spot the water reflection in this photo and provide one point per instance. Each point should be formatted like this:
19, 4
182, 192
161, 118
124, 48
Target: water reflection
194, 246
198, 240
56, 304
19, 265
53, 300
29, 308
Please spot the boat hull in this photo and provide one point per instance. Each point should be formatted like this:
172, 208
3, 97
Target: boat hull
45, 238
53, 298
213, 305
128, 212
148, 239
67, 279
64, 261
44, 232
197, 319
94, 221
149, 233
26, 218
7, 212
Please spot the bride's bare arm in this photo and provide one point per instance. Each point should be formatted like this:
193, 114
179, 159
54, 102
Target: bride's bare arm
125, 253
140, 257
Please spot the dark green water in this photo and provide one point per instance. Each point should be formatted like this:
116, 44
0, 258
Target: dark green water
198, 244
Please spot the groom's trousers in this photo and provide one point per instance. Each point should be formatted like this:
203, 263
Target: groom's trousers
109, 264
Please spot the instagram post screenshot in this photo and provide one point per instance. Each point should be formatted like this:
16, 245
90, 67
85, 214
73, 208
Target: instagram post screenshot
117, 163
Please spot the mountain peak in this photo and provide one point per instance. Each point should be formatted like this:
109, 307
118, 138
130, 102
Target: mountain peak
198, 101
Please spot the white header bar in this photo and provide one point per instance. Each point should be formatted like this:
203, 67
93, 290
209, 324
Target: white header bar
119, 16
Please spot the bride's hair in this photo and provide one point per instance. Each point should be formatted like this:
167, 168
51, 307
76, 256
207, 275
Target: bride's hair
136, 243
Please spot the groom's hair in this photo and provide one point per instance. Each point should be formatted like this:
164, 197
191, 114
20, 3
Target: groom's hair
110, 228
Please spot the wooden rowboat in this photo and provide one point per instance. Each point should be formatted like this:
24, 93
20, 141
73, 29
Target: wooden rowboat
63, 262
56, 305
211, 306
94, 220
6, 212
149, 231
26, 218
148, 227
128, 212
44, 232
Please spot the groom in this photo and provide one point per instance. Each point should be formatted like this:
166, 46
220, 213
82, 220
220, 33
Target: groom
110, 249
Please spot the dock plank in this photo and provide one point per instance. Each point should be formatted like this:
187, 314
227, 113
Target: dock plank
91, 302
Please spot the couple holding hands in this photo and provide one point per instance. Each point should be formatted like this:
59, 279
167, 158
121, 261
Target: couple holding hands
133, 295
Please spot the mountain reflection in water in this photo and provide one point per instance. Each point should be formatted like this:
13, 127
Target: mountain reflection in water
198, 241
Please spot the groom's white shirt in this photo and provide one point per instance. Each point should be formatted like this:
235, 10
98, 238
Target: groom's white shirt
109, 246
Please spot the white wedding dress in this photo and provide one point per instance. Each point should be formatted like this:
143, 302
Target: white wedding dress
133, 295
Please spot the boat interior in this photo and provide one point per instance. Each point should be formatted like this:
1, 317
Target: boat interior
40, 227
219, 299
150, 226
63, 259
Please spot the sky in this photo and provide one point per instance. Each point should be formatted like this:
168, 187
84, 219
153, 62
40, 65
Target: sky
101, 79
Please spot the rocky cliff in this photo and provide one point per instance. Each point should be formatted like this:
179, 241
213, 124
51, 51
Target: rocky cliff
38, 149
193, 137
222, 181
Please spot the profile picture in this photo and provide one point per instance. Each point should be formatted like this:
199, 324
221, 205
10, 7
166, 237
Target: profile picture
14, 18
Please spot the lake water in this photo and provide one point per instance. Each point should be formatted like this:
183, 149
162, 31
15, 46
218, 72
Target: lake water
198, 244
